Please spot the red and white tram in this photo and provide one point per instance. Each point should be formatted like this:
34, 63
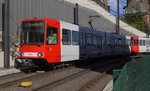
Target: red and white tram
48, 41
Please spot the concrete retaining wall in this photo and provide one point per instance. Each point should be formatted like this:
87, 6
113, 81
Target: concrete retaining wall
93, 6
60, 10
2, 60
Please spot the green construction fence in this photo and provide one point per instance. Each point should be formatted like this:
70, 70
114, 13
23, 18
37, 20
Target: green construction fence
135, 76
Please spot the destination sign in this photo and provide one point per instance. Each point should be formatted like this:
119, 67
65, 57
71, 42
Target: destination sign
32, 24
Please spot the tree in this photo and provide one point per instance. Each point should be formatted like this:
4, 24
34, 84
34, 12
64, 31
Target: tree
136, 20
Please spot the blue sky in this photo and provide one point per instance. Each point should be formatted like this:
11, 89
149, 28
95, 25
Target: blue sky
113, 6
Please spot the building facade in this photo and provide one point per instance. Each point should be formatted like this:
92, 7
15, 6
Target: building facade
138, 5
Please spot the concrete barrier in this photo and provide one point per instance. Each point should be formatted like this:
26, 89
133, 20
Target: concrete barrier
93, 6
109, 86
2, 60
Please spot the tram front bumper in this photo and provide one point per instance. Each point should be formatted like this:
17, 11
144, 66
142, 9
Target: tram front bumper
20, 63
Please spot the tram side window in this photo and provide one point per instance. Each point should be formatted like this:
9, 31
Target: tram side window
112, 41
123, 43
119, 42
143, 42
140, 42
94, 40
129, 42
66, 37
108, 41
100, 41
148, 42
89, 39
116, 43
75, 38
51, 37
81, 38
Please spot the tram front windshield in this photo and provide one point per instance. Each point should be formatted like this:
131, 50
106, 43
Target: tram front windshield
32, 32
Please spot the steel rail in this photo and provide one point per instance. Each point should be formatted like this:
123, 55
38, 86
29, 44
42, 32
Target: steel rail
101, 76
25, 77
53, 84
58, 82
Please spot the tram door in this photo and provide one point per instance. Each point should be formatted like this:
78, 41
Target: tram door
52, 48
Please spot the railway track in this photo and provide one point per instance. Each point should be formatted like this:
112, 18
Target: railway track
15, 78
93, 82
58, 82
53, 84
101, 77
19, 77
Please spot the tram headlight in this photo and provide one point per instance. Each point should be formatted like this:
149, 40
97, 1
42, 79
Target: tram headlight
21, 54
40, 54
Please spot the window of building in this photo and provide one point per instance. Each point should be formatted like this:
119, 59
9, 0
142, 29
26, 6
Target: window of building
66, 37
75, 38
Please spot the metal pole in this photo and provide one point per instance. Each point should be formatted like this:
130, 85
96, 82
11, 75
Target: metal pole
76, 14
149, 20
116, 25
3, 24
6, 34
118, 16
